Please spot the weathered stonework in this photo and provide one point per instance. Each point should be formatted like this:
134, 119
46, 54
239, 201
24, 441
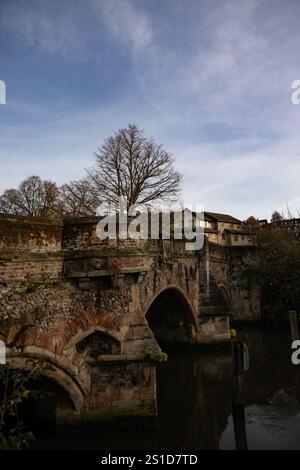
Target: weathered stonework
224, 285
94, 314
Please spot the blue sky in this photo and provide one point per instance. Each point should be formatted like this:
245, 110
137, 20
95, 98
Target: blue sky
209, 79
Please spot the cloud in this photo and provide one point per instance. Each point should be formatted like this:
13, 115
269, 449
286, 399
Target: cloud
226, 177
61, 145
127, 23
209, 79
71, 29
46, 27
234, 68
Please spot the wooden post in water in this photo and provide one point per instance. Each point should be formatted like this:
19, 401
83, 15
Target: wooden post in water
294, 324
240, 362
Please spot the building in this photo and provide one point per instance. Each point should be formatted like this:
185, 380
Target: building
225, 229
291, 225
263, 222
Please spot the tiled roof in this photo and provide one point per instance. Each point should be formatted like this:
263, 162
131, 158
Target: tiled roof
222, 217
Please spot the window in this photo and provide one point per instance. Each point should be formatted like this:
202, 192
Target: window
236, 238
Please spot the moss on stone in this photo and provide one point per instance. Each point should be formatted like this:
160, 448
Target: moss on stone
6, 257
103, 252
57, 254
158, 357
33, 287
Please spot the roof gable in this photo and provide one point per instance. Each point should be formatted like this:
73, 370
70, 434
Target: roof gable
222, 218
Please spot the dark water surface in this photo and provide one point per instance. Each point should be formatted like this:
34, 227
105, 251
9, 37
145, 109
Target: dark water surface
196, 397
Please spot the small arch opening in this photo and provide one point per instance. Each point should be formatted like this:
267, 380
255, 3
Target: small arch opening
217, 302
225, 300
98, 343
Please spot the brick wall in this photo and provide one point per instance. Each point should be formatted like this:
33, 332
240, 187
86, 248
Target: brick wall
29, 235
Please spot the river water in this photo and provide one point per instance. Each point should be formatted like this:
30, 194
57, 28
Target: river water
197, 396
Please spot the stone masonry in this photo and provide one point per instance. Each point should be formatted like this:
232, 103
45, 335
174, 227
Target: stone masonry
95, 316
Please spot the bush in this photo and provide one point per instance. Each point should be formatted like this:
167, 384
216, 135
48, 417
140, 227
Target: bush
278, 272
13, 392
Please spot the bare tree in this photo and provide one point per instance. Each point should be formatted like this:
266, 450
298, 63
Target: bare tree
289, 213
131, 165
79, 198
33, 197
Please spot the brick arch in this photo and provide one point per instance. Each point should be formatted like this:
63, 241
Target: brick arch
52, 370
180, 325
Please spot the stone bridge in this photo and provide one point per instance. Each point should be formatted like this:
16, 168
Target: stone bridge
95, 317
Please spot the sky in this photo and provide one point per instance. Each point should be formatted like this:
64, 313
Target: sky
209, 79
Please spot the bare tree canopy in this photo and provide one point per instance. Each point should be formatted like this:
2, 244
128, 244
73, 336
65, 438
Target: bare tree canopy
79, 198
128, 164
33, 197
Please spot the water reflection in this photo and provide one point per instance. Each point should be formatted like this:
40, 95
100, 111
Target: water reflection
201, 407
271, 394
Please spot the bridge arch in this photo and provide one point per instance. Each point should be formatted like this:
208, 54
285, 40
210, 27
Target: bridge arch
171, 317
54, 372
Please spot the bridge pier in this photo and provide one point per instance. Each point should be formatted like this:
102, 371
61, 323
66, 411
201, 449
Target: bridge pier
122, 390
